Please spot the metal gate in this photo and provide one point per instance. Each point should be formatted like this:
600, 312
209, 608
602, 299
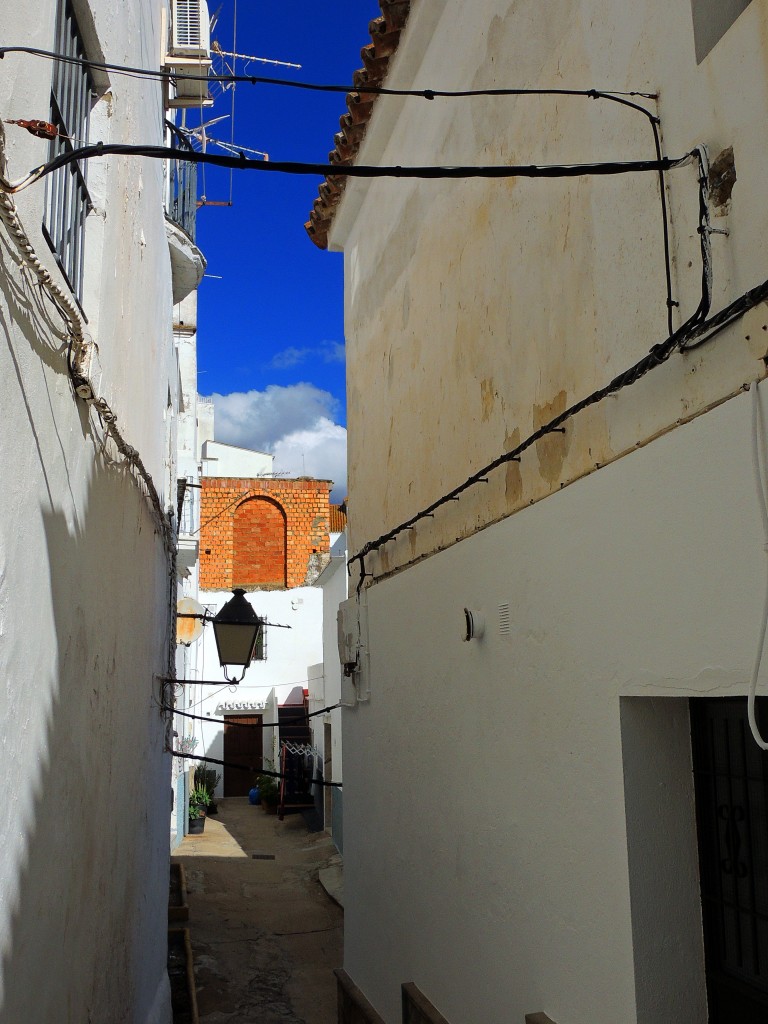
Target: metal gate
731, 783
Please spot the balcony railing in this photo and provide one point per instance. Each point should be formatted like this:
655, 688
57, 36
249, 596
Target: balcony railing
182, 186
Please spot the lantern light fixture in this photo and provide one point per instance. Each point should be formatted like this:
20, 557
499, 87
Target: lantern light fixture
239, 634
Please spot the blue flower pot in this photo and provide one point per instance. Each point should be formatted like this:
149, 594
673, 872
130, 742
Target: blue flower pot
254, 797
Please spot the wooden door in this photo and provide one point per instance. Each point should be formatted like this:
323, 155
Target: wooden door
731, 783
242, 745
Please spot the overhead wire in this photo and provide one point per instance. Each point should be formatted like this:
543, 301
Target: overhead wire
762, 498
373, 90
262, 725
428, 172
77, 349
357, 88
255, 769
233, 90
696, 324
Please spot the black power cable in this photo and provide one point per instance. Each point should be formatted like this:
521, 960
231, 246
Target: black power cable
242, 725
696, 326
614, 96
374, 90
101, 149
249, 768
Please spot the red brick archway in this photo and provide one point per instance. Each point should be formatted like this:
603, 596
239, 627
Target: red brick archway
259, 536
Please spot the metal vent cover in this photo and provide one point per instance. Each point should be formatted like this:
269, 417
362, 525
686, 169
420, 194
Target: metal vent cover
504, 621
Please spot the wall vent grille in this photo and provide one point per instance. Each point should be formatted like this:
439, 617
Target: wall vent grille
504, 619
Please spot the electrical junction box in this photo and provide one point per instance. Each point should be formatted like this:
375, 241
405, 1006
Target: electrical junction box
352, 623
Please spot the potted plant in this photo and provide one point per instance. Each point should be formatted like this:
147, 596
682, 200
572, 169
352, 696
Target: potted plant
199, 799
208, 778
269, 792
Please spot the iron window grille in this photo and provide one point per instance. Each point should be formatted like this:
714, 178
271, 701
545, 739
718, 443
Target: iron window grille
67, 202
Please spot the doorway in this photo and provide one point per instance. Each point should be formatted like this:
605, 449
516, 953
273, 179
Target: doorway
243, 736
731, 788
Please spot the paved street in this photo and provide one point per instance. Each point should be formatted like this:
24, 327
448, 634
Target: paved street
265, 934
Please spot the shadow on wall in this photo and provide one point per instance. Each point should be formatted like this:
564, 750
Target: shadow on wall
86, 941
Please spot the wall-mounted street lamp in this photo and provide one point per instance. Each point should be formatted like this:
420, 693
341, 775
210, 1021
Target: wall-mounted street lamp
239, 634
238, 630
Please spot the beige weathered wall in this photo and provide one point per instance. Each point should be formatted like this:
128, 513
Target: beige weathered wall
475, 311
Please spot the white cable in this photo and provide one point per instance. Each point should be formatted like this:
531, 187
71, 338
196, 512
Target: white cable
763, 502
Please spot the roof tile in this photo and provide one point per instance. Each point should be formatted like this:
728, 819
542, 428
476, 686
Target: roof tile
385, 36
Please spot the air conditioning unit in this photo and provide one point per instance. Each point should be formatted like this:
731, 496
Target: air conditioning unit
191, 29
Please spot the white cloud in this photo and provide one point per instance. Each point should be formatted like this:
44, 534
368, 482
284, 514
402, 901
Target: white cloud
333, 352
289, 357
328, 351
320, 451
295, 423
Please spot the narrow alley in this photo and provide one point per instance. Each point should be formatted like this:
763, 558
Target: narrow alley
265, 933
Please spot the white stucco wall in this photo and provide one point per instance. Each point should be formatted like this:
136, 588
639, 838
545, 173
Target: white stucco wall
289, 652
519, 822
486, 845
333, 581
477, 310
325, 685
84, 585
221, 459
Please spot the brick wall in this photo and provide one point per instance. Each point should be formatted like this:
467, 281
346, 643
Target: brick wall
261, 534
259, 544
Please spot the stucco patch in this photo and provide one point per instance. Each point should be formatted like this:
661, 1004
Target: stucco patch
552, 449
514, 479
487, 398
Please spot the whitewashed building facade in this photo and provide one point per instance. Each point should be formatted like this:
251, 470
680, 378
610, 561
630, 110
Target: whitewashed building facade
553, 640
89, 393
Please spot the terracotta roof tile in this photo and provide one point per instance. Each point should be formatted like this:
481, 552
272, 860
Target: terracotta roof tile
338, 518
385, 36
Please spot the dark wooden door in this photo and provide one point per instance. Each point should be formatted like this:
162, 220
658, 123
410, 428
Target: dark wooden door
731, 782
242, 745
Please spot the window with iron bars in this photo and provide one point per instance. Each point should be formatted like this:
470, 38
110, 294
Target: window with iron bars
67, 202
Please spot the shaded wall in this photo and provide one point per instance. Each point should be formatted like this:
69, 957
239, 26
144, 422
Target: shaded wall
84, 576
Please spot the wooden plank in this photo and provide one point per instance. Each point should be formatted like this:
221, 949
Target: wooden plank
417, 1009
353, 1007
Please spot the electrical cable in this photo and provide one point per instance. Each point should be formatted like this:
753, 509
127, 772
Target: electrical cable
239, 725
77, 351
757, 466
250, 768
427, 94
101, 149
360, 89
240, 497
671, 303
658, 354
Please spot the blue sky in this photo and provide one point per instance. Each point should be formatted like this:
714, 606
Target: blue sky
270, 331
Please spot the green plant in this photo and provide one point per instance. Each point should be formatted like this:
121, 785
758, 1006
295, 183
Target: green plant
199, 798
269, 788
207, 777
